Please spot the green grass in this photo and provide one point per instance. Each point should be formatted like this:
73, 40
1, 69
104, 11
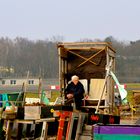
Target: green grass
130, 92
54, 95
32, 95
133, 85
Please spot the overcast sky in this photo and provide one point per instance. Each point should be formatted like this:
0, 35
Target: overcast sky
71, 19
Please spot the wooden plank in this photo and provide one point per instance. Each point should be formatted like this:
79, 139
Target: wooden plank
96, 89
8, 130
45, 120
85, 48
44, 131
82, 117
70, 125
101, 107
25, 121
83, 43
88, 45
63, 52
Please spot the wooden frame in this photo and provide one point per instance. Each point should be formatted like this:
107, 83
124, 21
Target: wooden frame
87, 60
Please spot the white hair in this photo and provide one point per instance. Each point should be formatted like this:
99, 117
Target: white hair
74, 77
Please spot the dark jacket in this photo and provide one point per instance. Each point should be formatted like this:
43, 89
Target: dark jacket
77, 91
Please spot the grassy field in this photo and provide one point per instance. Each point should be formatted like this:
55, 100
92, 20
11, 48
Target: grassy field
133, 85
55, 94
130, 88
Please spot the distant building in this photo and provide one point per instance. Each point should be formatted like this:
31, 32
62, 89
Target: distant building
18, 81
32, 84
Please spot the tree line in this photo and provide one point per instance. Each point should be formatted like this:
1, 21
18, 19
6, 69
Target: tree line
21, 55
40, 58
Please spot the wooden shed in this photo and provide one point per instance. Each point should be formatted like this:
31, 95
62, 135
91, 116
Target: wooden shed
89, 61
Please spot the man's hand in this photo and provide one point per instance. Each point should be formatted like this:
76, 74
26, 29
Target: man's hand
69, 96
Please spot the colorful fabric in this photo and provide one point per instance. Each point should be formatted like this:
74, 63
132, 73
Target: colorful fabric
44, 99
5, 98
122, 91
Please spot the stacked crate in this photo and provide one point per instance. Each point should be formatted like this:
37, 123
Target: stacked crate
116, 132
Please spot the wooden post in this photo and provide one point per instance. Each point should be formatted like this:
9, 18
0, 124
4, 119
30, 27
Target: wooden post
8, 129
82, 117
70, 125
44, 131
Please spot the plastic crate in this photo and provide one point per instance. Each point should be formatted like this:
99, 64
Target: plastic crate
116, 132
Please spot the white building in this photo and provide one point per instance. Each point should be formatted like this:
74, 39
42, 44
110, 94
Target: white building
18, 81
32, 84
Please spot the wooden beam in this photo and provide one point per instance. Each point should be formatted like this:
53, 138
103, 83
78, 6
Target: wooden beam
82, 57
89, 59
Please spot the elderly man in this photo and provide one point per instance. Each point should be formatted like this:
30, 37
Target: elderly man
75, 92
